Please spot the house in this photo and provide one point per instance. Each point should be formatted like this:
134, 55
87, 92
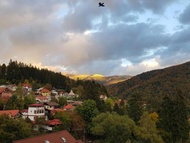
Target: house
5, 93
69, 107
71, 95
61, 93
54, 92
42, 99
56, 137
11, 113
103, 97
33, 111
119, 102
53, 111
26, 88
51, 124
51, 105
12, 87
76, 103
44, 92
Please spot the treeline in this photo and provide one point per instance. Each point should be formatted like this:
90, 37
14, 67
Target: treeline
18, 72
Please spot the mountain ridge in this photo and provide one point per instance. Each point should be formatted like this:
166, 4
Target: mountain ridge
170, 77
105, 80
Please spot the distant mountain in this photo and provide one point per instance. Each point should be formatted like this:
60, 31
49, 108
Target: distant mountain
106, 80
153, 85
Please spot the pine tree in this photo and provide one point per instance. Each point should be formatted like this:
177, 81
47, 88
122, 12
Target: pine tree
174, 119
135, 107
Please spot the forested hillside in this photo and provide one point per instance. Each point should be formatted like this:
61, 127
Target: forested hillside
17, 72
153, 85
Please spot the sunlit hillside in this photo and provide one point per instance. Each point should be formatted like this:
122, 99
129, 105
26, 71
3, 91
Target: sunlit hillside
106, 80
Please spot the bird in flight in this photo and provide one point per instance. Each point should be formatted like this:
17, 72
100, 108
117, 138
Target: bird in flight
101, 4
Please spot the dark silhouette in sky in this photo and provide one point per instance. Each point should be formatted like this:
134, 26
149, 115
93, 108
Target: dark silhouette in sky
101, 4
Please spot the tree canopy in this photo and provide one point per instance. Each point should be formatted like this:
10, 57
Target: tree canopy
111, 127
11, 129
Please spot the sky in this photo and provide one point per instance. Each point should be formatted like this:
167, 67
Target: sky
126, 37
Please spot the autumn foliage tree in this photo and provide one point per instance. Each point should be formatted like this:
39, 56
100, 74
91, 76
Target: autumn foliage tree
147, 130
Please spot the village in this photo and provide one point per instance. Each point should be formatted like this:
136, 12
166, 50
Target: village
41, 112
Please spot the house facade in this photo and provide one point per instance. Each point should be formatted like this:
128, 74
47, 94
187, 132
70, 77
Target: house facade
45, 92
51, 105
34, 111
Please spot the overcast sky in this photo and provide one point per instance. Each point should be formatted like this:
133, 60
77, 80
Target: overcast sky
126, 37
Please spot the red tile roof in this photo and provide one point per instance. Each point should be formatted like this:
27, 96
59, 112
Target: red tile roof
13, 113
42, 97
5, 98
54, 122
36, 105
2, 89
24, 111
56, 110
26, 85
45, 90
69, 106
56, 137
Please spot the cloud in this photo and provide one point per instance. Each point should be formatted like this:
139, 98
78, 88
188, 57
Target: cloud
157, 7
129, 41
178, 49
79, 37
23, 12
81, 17
184, 17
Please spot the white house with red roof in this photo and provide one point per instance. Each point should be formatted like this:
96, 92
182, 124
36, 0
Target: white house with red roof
34, 111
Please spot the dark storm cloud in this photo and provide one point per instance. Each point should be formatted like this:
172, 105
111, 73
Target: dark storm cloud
178, 49
129, 41
81, 17
82, 13
156, 6
184, 17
